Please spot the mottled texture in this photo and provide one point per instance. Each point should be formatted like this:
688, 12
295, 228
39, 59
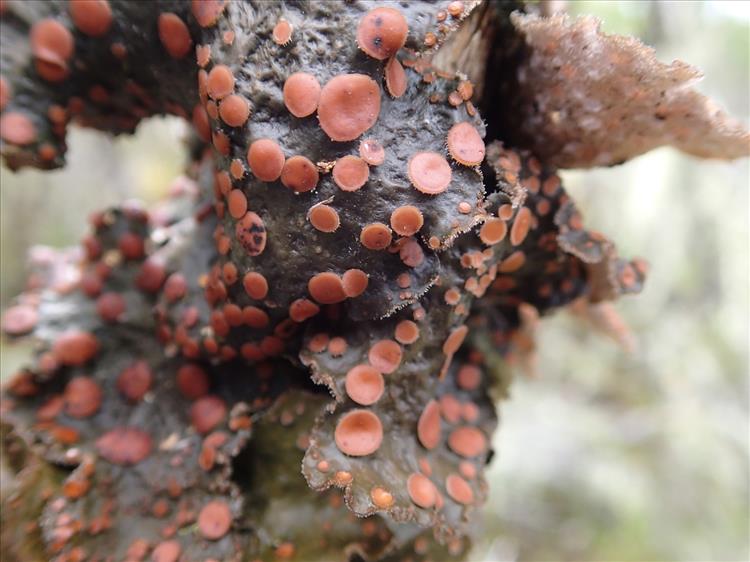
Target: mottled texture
591, 99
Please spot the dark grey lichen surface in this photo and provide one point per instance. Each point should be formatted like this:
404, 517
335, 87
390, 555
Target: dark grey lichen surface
112, 82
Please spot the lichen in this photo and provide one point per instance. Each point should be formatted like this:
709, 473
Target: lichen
331, 285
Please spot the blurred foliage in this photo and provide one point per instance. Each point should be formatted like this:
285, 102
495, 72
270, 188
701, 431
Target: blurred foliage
51, 208
604, 456
612, 457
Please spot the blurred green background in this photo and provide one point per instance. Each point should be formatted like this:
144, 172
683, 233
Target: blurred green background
604, 456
